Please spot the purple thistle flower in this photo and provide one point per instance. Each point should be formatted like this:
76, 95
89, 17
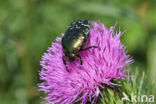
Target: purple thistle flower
100, 66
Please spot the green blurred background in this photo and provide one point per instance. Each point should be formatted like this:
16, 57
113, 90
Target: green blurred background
28, 27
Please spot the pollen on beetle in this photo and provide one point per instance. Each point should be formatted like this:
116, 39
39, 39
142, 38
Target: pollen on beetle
100, 66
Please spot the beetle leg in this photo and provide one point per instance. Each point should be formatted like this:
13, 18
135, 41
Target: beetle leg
79, 58
64, 61
89, 48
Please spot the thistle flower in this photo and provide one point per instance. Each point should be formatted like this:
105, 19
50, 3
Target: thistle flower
83, 83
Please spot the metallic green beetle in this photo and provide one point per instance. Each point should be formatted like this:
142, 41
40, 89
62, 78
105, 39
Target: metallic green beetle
74, 40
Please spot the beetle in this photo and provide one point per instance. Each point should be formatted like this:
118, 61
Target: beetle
74, 40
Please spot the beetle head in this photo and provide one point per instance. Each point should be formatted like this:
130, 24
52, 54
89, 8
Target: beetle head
71, 57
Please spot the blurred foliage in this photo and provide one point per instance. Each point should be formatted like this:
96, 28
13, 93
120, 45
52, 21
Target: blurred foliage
28, 27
